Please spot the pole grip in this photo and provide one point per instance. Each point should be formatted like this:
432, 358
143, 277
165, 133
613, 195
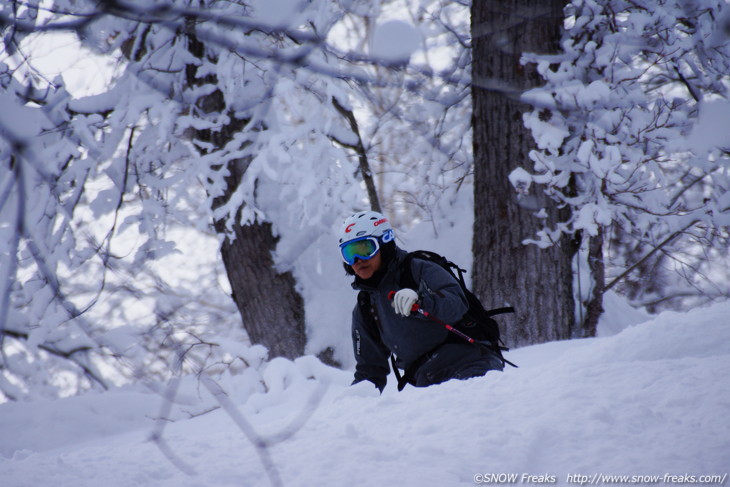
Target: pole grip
414, 308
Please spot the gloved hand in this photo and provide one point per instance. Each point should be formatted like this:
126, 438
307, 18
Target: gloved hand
404, 300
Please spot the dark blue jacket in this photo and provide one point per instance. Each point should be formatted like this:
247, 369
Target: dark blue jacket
408, 338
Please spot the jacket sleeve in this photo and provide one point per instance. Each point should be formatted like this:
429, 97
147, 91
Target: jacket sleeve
439, 293
371, 355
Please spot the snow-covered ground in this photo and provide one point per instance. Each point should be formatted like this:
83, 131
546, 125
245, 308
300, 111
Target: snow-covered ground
650, 400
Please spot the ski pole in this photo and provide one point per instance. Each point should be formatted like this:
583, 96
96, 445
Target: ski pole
416, 308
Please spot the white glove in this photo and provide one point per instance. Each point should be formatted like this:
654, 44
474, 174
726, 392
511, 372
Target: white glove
404, 300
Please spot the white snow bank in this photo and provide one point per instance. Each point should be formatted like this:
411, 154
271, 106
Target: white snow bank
618, 314
651, 400
43, 425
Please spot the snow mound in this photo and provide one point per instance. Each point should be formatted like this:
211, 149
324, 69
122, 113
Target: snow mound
618, 315
651, 400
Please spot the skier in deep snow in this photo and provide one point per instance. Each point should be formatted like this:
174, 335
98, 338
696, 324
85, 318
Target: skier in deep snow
383, 322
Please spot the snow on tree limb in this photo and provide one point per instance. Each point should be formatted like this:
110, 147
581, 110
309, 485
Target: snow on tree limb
621, 126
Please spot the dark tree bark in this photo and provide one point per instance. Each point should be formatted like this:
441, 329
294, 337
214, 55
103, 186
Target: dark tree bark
594, 306
538, 283
271, 308
362, 155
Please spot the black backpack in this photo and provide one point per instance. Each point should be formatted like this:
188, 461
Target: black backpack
477, 323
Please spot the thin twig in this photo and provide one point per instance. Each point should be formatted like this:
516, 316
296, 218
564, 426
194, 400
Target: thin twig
647, 256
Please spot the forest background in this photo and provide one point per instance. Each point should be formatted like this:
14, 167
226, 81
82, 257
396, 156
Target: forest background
179, 199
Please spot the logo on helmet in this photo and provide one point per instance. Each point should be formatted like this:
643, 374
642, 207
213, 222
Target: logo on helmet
349, 227
387, 236
380, 222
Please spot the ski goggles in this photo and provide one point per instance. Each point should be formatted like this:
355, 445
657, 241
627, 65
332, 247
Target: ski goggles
363, 248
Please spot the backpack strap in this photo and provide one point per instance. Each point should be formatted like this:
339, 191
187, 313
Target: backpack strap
363, 300
406, 277
404, 379
499, 311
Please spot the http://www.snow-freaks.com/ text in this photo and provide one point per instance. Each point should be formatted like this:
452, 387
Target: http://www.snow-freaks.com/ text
599, 479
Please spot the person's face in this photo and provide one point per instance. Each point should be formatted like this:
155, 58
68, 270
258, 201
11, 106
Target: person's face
364, 269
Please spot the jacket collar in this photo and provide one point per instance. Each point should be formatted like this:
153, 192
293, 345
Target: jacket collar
391, 267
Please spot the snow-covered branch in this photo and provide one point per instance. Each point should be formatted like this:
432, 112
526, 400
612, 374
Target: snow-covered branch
628, 125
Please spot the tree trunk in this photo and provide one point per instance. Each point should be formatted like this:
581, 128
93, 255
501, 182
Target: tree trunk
271, 308
538, 283
594, 307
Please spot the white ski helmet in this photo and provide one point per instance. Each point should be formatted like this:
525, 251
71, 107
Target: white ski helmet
366, 224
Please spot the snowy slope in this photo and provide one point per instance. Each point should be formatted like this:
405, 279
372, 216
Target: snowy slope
653, 399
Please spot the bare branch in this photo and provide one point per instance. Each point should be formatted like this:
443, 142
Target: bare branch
359, 148
656, 249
